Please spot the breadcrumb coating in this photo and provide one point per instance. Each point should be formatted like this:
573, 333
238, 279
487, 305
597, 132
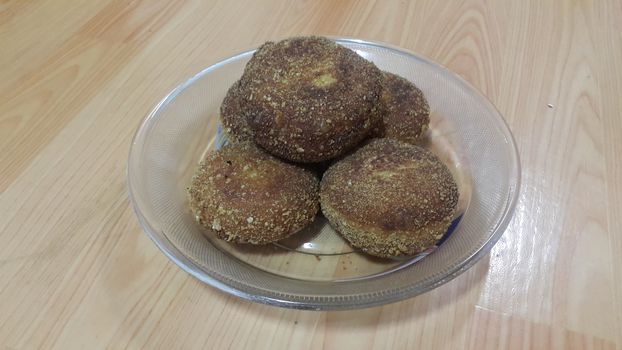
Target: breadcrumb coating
389, 198
245, 195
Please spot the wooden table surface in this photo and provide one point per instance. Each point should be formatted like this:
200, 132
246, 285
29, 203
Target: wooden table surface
76, 270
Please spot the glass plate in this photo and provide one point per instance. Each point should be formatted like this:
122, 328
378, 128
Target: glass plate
316, 269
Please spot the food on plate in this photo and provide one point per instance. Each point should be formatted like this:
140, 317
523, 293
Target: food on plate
309, 99
406, 112
232, 117
245, 195
389, 198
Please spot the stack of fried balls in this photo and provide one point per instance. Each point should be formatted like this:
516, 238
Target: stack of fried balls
311, 124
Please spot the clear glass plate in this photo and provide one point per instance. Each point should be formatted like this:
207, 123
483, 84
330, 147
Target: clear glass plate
316, 269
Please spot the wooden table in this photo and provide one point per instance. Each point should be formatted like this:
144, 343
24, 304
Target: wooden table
76, 270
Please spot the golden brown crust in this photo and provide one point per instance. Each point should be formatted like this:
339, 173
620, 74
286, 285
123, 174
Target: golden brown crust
389, 198
406, 112
245, 195
310, 99
232, 115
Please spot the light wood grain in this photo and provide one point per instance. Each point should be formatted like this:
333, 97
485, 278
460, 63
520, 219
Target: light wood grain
76, 78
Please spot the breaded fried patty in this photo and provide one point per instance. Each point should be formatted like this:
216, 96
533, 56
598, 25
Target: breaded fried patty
389, 198
309, 99
245, 195
232, 117
406, 112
